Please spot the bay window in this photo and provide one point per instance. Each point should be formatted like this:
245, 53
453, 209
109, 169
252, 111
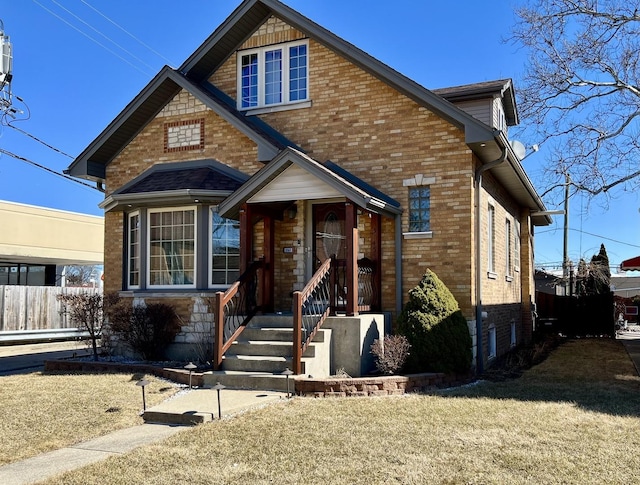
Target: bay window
167, 248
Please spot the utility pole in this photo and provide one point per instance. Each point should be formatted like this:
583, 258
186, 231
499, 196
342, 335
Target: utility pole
565, 257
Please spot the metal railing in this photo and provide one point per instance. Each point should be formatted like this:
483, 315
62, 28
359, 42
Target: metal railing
311, 306
233, 310
44, 335
367, 287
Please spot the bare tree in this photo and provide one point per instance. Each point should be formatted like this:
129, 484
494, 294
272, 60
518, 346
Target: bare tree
81, 275
581, 90
88, 311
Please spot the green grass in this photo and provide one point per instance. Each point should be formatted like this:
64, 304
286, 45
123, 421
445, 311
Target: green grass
43, 412
573, 419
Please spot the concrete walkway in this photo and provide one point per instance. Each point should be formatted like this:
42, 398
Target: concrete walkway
42, 467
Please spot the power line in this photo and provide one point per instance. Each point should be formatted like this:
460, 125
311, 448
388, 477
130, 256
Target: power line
594, 235
126, 32
90, 38
46, 169
40, 141
101, 34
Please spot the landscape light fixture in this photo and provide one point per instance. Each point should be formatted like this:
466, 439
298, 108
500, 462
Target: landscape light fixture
287, 372
143, 383
190, 366
218, 387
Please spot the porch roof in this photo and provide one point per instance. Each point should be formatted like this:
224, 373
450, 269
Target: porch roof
340, 181
177, 182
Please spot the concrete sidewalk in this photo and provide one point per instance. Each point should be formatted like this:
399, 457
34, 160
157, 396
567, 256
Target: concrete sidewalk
201, 405
42, 467
161, 421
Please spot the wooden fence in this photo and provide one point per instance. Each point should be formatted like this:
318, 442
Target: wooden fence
34, 307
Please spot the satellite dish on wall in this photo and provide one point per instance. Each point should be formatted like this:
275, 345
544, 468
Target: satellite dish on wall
518, 149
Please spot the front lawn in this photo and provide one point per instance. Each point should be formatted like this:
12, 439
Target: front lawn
43, 412
573, 419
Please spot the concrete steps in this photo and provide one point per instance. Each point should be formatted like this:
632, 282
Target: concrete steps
263, 351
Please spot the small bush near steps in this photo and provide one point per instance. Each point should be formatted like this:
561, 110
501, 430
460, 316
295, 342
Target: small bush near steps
391, 353
436, 329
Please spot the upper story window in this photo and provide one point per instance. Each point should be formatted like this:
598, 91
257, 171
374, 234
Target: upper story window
273, 75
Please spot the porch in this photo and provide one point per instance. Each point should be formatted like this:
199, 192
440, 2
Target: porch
310, 247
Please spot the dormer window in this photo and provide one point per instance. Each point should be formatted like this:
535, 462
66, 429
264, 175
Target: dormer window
273, 76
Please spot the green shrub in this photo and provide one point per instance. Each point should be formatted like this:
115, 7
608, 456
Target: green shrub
147, 330
436, 329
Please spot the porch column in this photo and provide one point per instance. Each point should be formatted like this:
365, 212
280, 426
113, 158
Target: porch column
376, 251
351, 230
268, 271
246, 237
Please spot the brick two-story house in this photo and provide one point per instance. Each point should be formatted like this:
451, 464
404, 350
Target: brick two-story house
277, 145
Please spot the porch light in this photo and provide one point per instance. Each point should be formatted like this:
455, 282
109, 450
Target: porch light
143, 383
190, 366
287, 372
292, 211
218, 387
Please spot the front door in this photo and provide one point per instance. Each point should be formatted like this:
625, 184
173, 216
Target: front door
328, 233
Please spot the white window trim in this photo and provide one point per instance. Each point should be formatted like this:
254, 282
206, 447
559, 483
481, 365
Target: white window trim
419, 180
261, 78
418, 235
195, 248
130, 215
210, 284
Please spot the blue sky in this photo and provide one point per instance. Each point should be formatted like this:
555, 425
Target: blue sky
74, 87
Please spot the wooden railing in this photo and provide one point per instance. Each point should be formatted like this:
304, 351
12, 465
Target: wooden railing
233, 310
311, 306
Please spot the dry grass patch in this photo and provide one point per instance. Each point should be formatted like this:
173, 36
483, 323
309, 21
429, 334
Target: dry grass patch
44, 412
569, 420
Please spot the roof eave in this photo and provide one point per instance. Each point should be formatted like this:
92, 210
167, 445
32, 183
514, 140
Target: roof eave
164, 198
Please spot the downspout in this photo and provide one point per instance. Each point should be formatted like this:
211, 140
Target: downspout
398, 264
478, 259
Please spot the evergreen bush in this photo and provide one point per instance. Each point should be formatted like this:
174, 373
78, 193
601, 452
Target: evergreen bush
436, 329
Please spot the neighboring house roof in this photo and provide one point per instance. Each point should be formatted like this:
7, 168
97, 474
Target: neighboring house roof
632, 264
330, 174
194, 181
487, 144
502, 88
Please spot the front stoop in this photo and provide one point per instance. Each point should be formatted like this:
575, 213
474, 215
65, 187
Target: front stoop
264, 350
